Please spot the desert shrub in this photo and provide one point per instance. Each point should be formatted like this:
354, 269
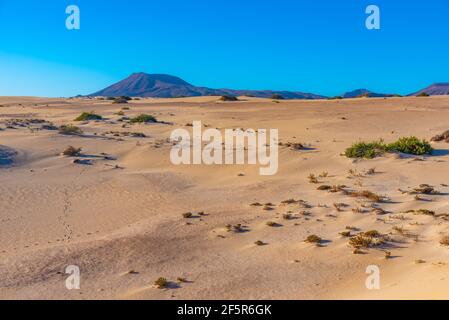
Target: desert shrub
70, 129
120, 100
187, 215
423, 94
359, 241
411, 145
441, 137
71, 151
85, 116
228, 98
366, 194
368, 150
161, 283
313, 238
445, 241
425, 212
277, 96
335, 98
143, 118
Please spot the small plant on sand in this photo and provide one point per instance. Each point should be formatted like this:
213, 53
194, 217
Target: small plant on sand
70, 130
120, 113
287, 216
228, 98
161, 283
408, 145
120, 100
237, 228
324, 188
425, 212
259, 243
441, 137
339, 206
324, 174
312, 178
345, 234
420, 261
187, 215
387, 255
367, 239
445, 241
87, 116
368, 150
289, 201
366, 194
143, 118
271, 224
71, 151
423, 94
313, 238
372, 234
411, 145
337, 188
256, 204
424, 189
360, 241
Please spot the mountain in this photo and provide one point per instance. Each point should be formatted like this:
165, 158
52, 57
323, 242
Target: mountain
166, 86
435, 89
364, 93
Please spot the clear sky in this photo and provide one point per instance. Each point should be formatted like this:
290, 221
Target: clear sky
319, 46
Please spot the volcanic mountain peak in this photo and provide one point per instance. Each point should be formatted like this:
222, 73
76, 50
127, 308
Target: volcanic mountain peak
436, 89
167, 86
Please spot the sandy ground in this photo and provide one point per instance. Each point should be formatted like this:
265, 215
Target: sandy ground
120, 219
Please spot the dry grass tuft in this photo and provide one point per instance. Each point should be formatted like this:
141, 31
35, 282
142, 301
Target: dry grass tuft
71, 151
313, 238
445, 241
161, 283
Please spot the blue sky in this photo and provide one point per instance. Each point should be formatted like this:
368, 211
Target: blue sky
319, 46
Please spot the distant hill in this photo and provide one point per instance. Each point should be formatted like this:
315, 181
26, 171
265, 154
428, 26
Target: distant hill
436, 89
364, 93
166, 86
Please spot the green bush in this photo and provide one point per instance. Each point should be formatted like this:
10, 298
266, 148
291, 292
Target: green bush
143, 118
411, 145
423, 94
366, 150
85, 116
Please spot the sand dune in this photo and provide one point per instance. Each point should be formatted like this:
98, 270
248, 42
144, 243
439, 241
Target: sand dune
118, 213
